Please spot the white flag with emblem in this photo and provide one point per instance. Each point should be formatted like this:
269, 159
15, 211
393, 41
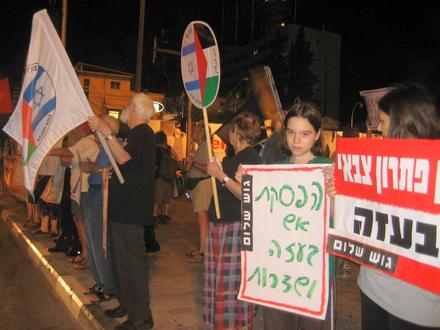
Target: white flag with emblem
51, 102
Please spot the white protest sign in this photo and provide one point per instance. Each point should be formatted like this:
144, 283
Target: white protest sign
284, 215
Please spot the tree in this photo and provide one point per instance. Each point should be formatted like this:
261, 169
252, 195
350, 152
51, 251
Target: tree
301, 80
279, 67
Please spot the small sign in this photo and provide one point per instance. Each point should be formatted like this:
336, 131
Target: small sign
200, 64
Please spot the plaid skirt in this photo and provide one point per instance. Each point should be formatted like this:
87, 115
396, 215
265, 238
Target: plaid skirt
221, 308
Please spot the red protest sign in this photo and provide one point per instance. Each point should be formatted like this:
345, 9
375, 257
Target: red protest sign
387, 211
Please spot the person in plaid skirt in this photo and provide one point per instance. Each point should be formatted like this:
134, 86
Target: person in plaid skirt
222, 264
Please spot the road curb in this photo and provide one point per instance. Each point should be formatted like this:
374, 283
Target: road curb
79, 311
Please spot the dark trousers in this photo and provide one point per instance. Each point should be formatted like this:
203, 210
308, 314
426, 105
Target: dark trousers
151, 244
130, 272
375, 317
67, 225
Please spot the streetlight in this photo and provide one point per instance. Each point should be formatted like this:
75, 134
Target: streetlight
361, 105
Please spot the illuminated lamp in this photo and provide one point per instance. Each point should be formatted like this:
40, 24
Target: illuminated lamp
158, 107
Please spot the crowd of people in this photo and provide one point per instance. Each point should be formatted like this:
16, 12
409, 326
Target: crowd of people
117, 259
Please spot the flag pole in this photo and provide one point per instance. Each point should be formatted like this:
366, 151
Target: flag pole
100, 136
208, 143
64, 24
110, 156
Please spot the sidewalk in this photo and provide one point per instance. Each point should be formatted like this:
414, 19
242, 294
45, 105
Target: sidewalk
175, 285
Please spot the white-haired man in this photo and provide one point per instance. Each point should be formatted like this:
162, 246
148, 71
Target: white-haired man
131, 207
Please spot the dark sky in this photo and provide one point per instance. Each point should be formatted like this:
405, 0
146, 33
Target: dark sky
382, 42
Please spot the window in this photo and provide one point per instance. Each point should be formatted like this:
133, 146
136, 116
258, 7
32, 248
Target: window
114, 113
86, 87
115, 85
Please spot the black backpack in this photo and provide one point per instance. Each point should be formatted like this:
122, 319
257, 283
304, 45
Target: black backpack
167, 166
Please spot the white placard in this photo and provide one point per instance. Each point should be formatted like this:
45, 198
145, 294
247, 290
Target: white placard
284, 215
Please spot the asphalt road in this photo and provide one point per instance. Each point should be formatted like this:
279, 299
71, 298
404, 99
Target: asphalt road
26, 299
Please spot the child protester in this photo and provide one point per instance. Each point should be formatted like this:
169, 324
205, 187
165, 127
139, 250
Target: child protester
302, 142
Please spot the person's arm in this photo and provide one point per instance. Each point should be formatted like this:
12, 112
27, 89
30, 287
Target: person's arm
330, 187
61, 152
214, 169
119, 153
89, 167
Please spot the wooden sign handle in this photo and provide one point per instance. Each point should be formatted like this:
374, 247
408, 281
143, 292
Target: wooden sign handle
208, 142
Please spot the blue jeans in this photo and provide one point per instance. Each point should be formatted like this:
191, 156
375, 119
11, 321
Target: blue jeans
100, 264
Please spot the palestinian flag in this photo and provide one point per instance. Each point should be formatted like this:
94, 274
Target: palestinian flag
200, 64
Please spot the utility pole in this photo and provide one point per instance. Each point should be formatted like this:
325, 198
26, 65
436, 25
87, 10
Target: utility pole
64, 23
140, 46
236, 21
323, 73
252, 20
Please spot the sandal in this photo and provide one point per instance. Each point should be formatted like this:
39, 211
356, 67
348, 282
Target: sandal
99, 297
76, 259
39, 232
193, 253
197, 259
92, 290
81, 265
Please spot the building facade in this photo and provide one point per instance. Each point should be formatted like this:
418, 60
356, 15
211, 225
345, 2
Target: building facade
326, 66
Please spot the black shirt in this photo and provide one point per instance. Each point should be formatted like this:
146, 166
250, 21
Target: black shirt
230, 206
132, 202
161, 152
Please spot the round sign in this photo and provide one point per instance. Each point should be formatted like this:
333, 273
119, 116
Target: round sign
200, 64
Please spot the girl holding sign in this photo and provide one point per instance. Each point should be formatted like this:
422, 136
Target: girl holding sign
302, 143
409, 111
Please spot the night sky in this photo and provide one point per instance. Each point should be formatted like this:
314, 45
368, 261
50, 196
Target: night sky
381, 43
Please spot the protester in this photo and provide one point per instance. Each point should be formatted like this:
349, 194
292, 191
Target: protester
99, 258
409, 111
271, 152
131, 207
166, 167
68, 241
302, 142
33, 209
222, 265
199, 183
51, 197
46, 213
84, 149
